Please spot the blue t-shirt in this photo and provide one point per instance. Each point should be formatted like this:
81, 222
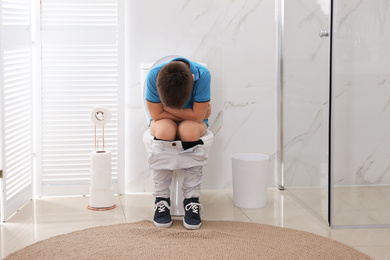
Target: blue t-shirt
200, 91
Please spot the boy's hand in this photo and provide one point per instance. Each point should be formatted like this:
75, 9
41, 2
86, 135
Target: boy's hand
197, 113
208, 111
157, 112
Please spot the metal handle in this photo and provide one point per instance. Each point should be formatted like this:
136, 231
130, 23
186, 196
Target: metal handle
324, 34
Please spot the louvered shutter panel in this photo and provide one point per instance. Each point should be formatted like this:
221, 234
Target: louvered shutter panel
81, 68
16, 105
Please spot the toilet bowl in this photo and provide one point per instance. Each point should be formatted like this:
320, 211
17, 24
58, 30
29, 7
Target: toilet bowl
177, 208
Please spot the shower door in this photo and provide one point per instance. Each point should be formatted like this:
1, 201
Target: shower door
304, 96
361, 113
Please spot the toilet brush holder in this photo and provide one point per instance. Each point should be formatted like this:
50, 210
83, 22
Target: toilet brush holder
101, 194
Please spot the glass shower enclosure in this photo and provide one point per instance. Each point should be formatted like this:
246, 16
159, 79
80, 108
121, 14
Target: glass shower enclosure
335, 108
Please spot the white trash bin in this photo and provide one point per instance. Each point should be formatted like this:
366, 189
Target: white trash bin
250, 172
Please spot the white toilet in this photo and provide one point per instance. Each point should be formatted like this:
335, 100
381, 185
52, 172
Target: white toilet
177, 208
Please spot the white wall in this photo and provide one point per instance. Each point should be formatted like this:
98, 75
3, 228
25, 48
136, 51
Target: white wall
237, 40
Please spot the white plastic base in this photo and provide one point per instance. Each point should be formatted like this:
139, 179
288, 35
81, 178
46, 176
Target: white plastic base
177, 208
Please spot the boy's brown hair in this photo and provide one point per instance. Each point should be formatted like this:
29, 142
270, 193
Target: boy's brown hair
174, 84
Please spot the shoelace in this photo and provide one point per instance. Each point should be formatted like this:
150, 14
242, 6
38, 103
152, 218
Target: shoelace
195, 208
161, 206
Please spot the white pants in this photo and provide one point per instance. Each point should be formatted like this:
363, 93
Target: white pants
165, 156
191, 184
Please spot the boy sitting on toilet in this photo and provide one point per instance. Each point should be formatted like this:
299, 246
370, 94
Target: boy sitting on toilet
178, 100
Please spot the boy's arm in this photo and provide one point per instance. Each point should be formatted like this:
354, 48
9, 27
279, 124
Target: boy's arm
157, 112
198, 113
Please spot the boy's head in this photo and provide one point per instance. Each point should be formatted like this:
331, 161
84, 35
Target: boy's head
174, 84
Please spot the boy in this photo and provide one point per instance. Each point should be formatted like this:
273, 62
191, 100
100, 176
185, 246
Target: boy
177, 98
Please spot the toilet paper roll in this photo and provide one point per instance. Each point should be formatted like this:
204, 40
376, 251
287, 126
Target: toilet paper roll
100, 116
100, 161
101, 198
101, 189
101, 180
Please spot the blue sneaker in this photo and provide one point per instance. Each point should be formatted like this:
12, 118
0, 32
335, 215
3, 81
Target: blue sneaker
193, 210
162, 215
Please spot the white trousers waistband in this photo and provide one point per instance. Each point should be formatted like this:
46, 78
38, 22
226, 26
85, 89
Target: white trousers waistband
164, 155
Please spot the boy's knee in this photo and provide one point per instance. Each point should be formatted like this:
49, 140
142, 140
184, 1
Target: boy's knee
164, 129
189, 131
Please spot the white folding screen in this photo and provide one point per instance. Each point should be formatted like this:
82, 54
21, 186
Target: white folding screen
72, 61
82, 67
16, 105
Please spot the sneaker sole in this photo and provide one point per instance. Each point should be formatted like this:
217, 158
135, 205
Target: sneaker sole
163, 225
191, 227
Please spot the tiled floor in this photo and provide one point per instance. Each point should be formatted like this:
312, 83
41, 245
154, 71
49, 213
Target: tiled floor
47, 217
356, 206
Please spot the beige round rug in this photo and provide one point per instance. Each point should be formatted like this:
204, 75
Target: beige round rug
214, 240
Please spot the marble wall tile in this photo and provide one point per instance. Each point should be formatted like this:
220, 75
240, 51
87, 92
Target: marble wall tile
237, 41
